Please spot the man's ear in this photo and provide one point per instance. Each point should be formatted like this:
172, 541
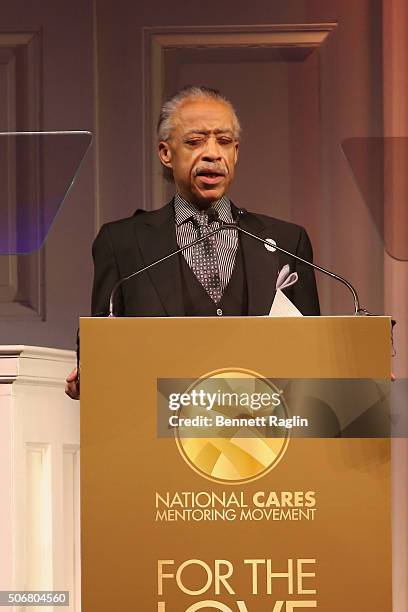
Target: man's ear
164, 153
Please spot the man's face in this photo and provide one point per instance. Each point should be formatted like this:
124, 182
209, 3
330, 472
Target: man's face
201, 151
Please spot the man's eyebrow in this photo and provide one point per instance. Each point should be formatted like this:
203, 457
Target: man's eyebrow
206, 132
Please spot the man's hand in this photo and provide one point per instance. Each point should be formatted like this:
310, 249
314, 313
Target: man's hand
72, 386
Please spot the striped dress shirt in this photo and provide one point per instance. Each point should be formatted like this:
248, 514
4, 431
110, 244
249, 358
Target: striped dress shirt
226, 242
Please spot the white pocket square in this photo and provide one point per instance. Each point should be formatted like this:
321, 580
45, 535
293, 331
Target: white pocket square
282, 306
286, 278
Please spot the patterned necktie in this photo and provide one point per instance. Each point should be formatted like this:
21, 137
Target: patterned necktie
204, 261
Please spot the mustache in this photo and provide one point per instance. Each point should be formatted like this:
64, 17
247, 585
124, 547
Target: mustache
210, 168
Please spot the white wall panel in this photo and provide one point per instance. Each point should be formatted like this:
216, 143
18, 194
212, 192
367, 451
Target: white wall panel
39, 473
38, 517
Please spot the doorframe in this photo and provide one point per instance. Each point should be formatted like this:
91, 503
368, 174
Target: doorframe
158, 40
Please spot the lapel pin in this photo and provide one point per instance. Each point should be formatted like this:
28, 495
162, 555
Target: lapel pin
271, 243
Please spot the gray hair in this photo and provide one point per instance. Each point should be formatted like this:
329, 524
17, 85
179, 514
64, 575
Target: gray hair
191, 92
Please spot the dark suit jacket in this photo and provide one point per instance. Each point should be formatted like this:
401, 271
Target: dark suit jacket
124, 246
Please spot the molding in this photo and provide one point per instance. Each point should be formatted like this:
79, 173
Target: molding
36, 352
7, 380
32, 381
276, 38
9, 284
16, 39
31, 302
156, 40
35, 366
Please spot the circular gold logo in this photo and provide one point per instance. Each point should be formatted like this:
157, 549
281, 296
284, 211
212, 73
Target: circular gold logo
240, 453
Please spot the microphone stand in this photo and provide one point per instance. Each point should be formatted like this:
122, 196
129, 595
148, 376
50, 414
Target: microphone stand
358, 311
155, 263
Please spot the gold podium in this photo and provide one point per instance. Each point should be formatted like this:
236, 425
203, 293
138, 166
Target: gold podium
230, 524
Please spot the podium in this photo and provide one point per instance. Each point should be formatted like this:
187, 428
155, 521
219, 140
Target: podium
273, 523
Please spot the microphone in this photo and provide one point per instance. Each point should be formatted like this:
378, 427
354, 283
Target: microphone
222, 225
272, 246
212, 216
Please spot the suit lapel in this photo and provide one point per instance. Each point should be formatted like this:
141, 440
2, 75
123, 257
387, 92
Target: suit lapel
261, 265
156, 235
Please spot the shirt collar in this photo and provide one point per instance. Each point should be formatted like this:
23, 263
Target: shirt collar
183, 210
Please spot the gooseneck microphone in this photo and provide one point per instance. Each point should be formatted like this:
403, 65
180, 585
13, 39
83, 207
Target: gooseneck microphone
214, 216
273, 246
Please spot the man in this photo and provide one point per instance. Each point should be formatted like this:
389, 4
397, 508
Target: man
229, 274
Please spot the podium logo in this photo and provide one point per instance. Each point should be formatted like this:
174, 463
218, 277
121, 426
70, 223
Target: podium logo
247, 448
